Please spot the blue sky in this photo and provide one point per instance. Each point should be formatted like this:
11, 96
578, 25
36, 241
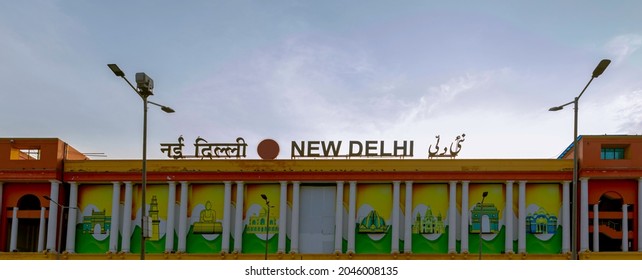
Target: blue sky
321, 70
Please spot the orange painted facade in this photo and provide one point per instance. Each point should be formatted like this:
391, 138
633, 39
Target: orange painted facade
31, 166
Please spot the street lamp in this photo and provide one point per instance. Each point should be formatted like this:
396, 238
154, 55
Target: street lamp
481, 207
59, 247
599, 69
267, 224
144, 88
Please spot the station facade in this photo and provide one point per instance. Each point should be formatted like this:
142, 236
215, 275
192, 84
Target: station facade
321, 204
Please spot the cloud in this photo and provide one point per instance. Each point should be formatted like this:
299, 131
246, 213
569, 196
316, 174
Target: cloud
623, 46
629, 112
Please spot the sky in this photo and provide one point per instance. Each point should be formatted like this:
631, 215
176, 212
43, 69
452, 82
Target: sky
321, 71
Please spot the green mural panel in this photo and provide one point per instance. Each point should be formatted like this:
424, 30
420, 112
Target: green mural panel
422, 245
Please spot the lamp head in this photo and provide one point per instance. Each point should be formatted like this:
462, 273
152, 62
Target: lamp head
46, 197
553, 109
167, 109
599, 69
485, 194
114, 68
145, 84
264, 197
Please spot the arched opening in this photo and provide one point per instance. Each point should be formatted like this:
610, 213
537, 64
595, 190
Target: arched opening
28, 228
485, 224
610, 222
29, 202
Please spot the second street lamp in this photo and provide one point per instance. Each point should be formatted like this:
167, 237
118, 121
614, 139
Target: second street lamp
599, 69
144, 88
62, 209
267, 223
481, 213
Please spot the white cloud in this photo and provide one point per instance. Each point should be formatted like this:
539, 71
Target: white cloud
622, 46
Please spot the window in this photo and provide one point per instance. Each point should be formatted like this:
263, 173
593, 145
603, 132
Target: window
612, 153
32, 153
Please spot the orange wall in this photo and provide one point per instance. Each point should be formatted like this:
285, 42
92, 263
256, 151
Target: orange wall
12, 192
591, 147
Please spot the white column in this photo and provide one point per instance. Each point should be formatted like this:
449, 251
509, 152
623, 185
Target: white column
283, 216
352, 214
521, 231
395, 217
227, 208
566, 218
238, 223
508, 216
625, 228
13, 244
70, 245
169, 229
452, 217
294, 234
41, 231
115, 207
182, 219
52, 227
338, 219
407, 243
464, 216
596, 228
127, 219
584, 215
639, 214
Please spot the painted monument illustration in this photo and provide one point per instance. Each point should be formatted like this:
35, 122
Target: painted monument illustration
207, 223
541, 222
428, 224
484, 217
259, 223
373, 223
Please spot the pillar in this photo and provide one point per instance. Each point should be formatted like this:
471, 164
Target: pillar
283, 216
127, 219
70, 245
338, 219
115, 207
596, 228
238, 218
508, 216
584, 246
464, 216
352, 216
395, 217
521, 231
41, 231
566, 217
227, 222
452, 217
13, 243
182, 219
625, 228
294, 234
52, 227
169, 229
407, 244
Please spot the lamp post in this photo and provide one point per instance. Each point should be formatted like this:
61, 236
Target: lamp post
59, 247
144, 89
599, 69
267, 224
481, 207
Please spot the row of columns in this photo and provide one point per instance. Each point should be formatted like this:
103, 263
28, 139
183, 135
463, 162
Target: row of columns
52, 227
